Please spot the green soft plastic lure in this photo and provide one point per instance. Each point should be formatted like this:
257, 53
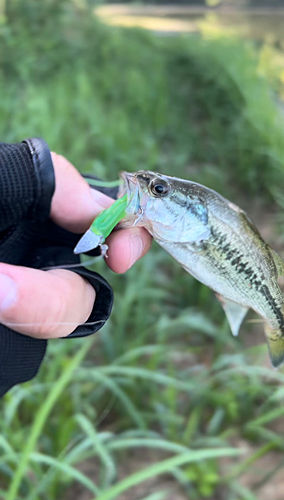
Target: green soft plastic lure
102, 227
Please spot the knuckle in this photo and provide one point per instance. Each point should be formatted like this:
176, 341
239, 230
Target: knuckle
52, 318
51, 326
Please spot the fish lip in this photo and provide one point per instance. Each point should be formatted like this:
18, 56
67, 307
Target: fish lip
124, 186
129, 184
130, 187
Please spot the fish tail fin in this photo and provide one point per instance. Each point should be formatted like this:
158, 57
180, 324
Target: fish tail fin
275, 340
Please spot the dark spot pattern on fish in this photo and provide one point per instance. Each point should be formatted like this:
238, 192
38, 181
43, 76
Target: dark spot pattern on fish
235, 257
181, 201
171, 208
223, 245
273, 305
195, 206
219, 238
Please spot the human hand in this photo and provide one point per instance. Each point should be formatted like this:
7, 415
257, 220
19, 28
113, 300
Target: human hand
25, 292
74, 207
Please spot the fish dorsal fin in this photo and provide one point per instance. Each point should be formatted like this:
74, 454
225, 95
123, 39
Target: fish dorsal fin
234, 312
278, 261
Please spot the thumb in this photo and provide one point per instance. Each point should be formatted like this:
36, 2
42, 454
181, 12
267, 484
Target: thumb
44, 304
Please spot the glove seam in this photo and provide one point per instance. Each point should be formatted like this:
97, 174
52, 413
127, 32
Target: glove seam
45, 177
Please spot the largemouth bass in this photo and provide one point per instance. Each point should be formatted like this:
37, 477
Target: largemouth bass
216, 242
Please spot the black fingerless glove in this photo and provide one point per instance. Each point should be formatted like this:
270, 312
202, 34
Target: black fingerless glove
29, 238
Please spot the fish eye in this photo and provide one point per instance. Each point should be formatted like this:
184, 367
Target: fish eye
159, 188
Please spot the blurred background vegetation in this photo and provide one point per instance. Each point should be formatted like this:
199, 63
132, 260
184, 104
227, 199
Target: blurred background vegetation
159, 404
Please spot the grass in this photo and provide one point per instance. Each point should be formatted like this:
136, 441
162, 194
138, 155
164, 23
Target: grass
164, 374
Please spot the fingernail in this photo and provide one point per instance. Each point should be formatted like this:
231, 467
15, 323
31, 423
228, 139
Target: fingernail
136, 248
8, 292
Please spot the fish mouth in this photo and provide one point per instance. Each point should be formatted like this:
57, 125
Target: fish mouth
127, 185
130, 187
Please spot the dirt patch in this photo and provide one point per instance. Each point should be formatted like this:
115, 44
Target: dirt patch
274, 488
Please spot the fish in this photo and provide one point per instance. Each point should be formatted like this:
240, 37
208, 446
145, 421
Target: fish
216, 242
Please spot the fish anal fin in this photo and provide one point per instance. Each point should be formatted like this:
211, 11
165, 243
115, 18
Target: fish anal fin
278, 261
275, 340
235, 313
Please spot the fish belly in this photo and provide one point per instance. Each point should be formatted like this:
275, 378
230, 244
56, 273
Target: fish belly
264, 297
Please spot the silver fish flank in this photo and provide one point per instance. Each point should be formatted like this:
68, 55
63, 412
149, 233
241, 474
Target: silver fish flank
216, 242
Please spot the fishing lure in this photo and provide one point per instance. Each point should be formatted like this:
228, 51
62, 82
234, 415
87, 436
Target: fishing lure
216, 242
102, 227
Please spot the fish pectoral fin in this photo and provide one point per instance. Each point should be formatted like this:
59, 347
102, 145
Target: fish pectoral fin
278, 261
235, 313
275, 340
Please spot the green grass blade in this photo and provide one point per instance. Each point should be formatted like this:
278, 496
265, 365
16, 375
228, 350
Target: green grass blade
161, 444
143, 373
122, 396
99, 448
41, 417
79, 452
4, 445
145, 350
159, 495
244, 466
243, 492
267, 417
67, 469
165, 466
